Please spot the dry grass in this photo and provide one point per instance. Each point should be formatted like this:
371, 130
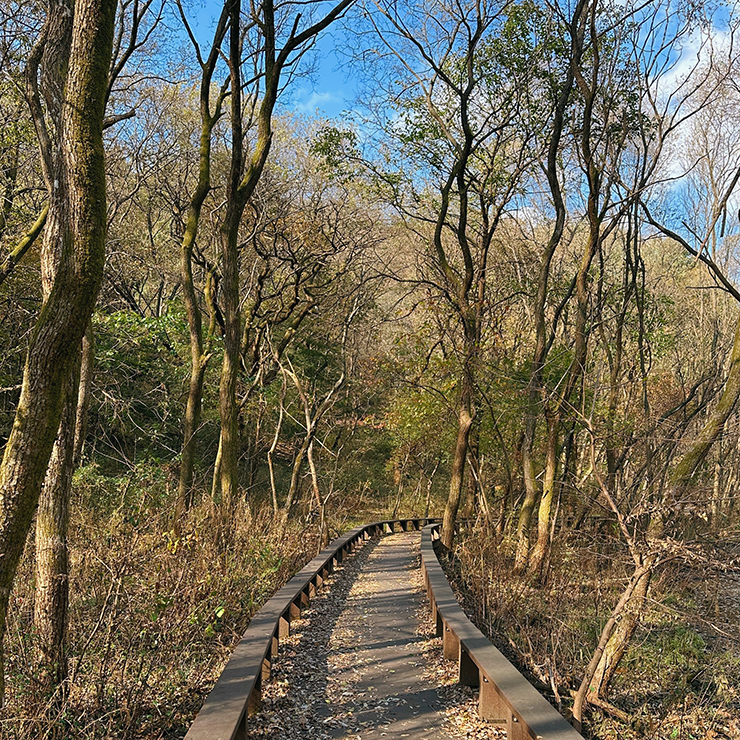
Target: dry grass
680, 680
152, 618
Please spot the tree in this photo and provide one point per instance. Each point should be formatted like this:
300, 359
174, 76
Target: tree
77, 169
651, 546
199, 355
45, 78
462, 77
269, 61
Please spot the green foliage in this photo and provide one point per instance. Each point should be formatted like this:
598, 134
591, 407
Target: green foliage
669, 655
140, 376
337, 148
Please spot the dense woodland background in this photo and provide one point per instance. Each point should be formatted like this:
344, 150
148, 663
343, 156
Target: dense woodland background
503, 287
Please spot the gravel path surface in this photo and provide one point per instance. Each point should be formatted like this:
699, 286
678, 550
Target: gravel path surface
363, 664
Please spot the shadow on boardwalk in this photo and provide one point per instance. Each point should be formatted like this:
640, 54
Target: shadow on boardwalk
359, 665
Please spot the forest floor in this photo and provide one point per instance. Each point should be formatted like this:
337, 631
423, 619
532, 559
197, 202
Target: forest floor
680, 679
153, 620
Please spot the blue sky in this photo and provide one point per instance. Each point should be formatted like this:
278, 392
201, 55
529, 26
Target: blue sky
328, 93
331, 91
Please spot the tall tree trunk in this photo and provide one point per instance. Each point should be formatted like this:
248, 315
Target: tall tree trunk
530, 494
229, 236
540, 552
198, 357
190, 426
534, 390
241, 186
52, 552
228, 407
83, 394
55, 341
51, 597
460, 456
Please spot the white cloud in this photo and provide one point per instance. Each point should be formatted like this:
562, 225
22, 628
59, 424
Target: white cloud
316, 100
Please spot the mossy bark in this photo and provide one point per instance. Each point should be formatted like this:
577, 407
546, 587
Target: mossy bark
56, 338
534, 388
199, 357
541, 550
52, 554
457, 474
19, 251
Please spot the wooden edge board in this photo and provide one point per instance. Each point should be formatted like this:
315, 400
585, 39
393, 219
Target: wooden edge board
224, 710
530, 707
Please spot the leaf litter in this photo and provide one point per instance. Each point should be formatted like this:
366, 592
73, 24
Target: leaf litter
315, 689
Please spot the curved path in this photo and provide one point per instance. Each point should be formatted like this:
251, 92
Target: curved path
363, 665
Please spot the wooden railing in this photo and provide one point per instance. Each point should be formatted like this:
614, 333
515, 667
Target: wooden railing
238, 691
505, 696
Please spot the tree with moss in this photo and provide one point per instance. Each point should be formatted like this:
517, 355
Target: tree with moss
460, 148
76, 177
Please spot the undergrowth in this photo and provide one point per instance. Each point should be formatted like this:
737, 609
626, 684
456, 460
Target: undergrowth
680, 679
153, 618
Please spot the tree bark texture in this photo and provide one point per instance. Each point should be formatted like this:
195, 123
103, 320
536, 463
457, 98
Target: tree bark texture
615, 638
52, 552
198, 357
540, 552
56, 338
457, 474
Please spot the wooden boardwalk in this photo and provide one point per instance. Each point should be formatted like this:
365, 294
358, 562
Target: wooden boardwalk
358, 660
356, 667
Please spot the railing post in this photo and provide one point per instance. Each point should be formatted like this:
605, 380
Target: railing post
450, 644
254, 703
492, 708
241, 732
517, 730
283, 627
468, 673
